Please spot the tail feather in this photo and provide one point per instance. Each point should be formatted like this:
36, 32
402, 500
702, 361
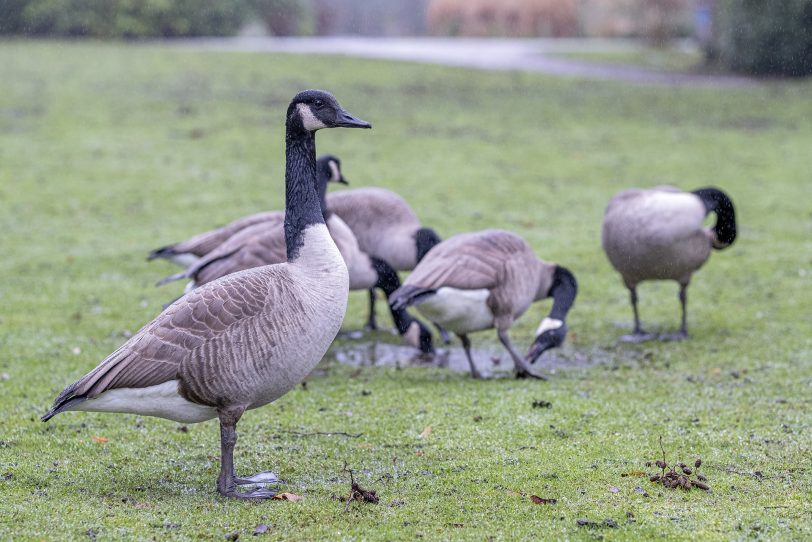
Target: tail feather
64, 401
164, 252
170, 278
408, 295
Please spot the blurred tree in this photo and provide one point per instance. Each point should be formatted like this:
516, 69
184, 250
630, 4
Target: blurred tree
766, 38
286, 17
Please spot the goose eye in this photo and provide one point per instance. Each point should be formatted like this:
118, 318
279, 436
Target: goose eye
318, 102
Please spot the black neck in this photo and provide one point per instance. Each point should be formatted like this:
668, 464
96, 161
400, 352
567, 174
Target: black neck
563, 291
425, 238
322, 178
302, 207
718, 202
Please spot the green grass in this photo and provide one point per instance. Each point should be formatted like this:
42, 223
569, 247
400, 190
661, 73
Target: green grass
657, 59
108, 151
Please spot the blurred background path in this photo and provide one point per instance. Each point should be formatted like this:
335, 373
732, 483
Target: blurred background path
534, 55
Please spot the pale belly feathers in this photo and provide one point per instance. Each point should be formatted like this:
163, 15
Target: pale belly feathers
460, 311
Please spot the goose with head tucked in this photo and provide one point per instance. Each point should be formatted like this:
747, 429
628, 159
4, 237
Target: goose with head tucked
187, 253
264, 244
659, 234
487, 279
386, 228
245, 340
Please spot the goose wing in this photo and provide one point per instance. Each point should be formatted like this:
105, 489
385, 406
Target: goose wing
469, 261
205, 242
154, 355
254, 246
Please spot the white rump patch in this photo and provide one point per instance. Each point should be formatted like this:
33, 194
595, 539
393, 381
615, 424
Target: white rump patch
309, 120
162, 400
460, 311
335, 175
184, 260
547, 324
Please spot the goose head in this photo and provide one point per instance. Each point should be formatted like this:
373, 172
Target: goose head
551, 334
330, 167
553, 329
312, 110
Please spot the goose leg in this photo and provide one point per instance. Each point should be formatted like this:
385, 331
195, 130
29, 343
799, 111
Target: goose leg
521, 367
371, 324
443, 333
226, 481
638, 335
683, 329
466, 345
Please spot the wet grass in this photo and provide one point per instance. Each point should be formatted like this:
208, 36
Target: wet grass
109, 151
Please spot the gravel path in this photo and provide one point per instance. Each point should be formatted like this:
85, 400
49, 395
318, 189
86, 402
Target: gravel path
532, 55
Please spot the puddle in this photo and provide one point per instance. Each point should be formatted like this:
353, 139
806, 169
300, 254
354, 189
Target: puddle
372, 350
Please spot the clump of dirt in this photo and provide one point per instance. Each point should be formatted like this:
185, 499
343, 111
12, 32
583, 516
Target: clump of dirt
358, 493
672, 478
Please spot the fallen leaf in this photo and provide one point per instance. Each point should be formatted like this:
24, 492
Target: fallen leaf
634, 473
614, 490
716, 371
512, 493
99, 440
538, 500
426, 432
419, 453
288, 497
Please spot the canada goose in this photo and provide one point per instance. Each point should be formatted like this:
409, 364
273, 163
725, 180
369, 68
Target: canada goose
386, 228
476, 281
187, 252
243, 341
658, 234
264, 243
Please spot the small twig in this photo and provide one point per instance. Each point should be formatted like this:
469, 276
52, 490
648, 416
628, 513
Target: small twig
323, 434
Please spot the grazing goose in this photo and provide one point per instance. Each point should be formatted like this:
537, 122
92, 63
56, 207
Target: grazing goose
659, 234
264, 244
476, 281
243, 341
386, 228
186, 253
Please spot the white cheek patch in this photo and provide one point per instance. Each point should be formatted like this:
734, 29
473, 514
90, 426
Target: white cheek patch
309, 120
547, 324
335, 175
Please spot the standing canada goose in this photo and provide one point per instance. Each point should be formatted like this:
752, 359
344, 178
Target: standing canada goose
243, 341
187, 252
264, 243
658, 234
476, 281
386, 228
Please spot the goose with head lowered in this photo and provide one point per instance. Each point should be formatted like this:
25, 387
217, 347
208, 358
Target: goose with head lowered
264, 243
659, 234
245, 340
386, 228
487, 279
186, 253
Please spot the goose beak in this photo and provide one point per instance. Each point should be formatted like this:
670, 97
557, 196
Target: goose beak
544, 342
345, 120
342, 180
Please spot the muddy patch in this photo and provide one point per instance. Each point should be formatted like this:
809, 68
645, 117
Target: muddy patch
491, 359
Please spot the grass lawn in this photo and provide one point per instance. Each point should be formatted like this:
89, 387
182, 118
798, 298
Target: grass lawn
108, 151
